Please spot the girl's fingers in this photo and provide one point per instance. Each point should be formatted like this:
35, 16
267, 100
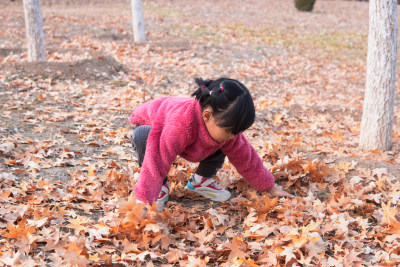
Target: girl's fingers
285, 194
279, 192
289, 195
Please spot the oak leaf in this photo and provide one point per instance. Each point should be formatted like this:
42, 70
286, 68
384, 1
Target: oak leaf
5, 195
37, 223
22, 234
100, 231
288, 253
345, 166
237, 247
76, 254
245, 262
351, 258
379, 172
173, 255
78, 224
394, 227
268, 204
389, 213
217, 217
20, 231
298, 241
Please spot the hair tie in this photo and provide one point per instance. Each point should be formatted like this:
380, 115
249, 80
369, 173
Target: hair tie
222, 89
211, 92
201, 88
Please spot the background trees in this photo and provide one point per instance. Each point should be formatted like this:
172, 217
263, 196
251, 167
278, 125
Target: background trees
378, 115
34, 30
137, 21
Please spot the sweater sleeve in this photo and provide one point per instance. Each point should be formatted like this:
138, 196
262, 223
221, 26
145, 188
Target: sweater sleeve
248, 163
163, 145
145, 114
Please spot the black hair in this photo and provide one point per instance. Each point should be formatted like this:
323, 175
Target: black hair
230, 101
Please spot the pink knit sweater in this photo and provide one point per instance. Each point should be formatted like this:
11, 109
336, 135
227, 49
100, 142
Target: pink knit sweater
178, 129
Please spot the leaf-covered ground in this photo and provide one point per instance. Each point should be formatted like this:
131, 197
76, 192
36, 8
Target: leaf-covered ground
67, 167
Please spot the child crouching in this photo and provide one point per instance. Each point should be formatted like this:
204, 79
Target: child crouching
205, 130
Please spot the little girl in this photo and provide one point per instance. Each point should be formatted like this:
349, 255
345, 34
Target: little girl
205, 130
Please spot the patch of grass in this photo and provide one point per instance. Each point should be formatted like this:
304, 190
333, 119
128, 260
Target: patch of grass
118, 83
162, 11
198, 31
336, 44
271, 36
267, 35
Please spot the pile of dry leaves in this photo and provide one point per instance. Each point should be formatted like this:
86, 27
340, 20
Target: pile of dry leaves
67, 168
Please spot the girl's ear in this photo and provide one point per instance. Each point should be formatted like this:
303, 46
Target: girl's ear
207, 115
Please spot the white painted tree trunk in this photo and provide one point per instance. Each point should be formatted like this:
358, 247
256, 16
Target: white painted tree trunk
378, 117
137, 21
34, 30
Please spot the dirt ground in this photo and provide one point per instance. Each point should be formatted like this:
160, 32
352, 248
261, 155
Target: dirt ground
98, 60
306, 68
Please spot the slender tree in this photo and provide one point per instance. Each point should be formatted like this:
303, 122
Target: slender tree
378, 111
137, 21
34, 30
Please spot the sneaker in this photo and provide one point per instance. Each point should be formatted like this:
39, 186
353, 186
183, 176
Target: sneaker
208, 188
163, 197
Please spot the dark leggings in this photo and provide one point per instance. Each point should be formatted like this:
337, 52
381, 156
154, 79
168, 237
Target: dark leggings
208, 167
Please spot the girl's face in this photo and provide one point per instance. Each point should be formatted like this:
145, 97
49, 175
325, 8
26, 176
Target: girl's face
216, 132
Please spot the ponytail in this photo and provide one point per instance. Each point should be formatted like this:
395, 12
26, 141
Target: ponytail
203, 88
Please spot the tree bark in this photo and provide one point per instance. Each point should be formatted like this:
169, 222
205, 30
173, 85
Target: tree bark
34, 30
378, 110
137, 21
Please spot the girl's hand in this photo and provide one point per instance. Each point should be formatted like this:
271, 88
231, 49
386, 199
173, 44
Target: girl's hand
277, 191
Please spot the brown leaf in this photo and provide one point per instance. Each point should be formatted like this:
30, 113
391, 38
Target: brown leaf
78, 224
237, 248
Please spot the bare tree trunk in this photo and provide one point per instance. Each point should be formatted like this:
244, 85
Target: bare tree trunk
137, 21
34, 30
378, 112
